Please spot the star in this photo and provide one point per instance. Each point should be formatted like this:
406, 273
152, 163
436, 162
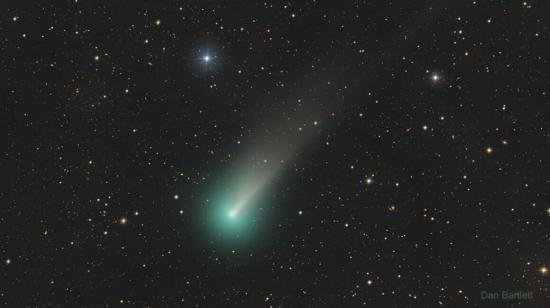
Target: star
488, 150
543, 270
435, 78
206, 59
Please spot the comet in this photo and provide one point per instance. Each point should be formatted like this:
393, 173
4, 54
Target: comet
240, 200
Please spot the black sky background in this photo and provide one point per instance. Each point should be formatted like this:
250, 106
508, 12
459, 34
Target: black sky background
91, 141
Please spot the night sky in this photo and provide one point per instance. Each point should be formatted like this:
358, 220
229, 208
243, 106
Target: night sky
274, 154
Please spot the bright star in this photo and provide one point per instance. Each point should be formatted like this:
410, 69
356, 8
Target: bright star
206, 59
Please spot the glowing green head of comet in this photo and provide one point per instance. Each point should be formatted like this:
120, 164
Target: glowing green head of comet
228, 220
240, 202
238, 208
